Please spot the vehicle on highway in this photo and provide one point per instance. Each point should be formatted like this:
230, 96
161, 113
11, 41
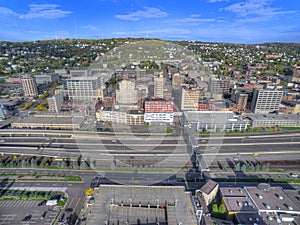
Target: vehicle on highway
68, 209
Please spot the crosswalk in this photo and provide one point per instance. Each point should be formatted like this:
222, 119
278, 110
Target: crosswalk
14, 204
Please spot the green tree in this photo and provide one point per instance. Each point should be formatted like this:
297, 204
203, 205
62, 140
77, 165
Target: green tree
75, 164
243, 168
222, 209
112, 81
258, 167
224, 168
33, 163
23, 163
83, 165
215, 208
237, 167
63, 164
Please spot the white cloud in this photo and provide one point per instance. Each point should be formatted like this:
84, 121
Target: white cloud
90, 27
36, 11
143, 14
7, 12
45, 11
193, 21
255, 7
168, 32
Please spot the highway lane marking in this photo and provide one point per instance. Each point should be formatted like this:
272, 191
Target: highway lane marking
75, 208
151, 154
251, 153
242, 144
247, 136
69, 204
80, 146
55, 135
89, 144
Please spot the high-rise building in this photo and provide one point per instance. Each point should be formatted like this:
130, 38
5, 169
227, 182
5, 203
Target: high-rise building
46, 78
189, 98
54, 102
126, 94
29, 86
159, 86
265, 101
219, 86
242, 99
177, 80
83, 89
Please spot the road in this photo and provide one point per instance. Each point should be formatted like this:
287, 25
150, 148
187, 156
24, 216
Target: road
274, 146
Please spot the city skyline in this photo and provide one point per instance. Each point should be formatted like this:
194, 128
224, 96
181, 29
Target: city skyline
235, 21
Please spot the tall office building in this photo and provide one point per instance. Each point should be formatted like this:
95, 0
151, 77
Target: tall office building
218, 86
83, 89
159, 86
265, 101
29, 86
189, 98
177, 80
54, 102
126, 94
240, 98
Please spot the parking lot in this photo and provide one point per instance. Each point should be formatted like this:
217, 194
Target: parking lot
25, 212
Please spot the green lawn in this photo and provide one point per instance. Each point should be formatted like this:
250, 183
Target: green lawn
62, 203
43, 177
290, 128
74, 178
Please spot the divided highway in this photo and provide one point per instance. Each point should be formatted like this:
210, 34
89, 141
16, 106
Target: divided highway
276, 147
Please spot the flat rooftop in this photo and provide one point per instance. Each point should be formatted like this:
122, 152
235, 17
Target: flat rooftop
273, 117
214, 117
52, 122
142, 205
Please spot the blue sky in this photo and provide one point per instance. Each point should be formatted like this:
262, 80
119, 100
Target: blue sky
236, 21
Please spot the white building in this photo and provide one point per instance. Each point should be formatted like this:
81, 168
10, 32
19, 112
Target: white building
189, 98
29, 86
273, 120
159, 117
54, 102
214, 121
265, 101
82, 88
46, 78
109, 115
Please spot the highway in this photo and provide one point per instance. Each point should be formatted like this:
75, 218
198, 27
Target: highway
161, 151
132, 145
